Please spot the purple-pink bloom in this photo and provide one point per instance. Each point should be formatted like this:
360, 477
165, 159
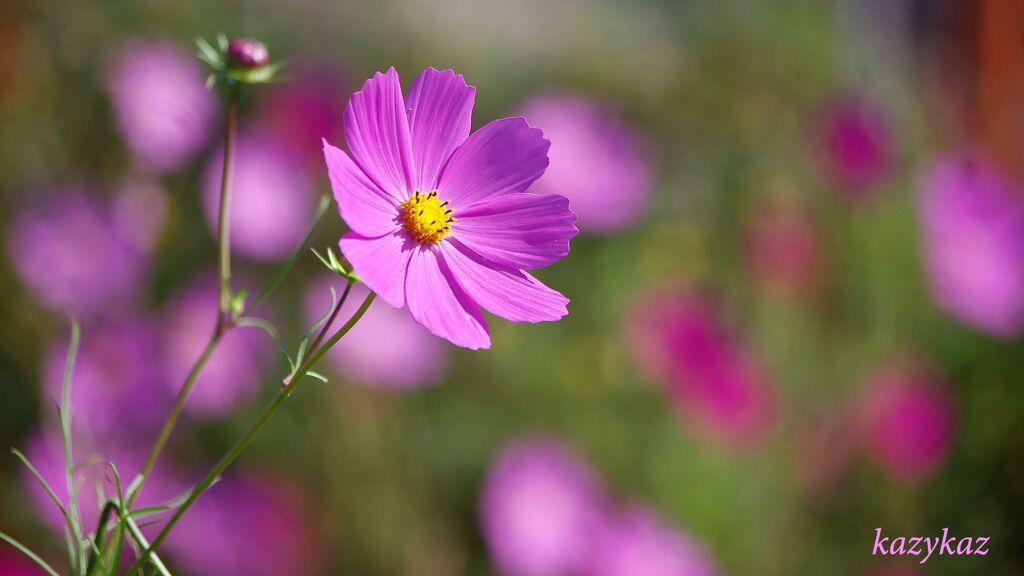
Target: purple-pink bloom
162, 106
972, 226
118, 392
720, 392
600, 162
247, 525
638, 543
272, 198
440, 219
14, 563
69, 251
45, 451
304, 111
907, 420
783, 250
387, 348
854, 144
540, 509
234, 371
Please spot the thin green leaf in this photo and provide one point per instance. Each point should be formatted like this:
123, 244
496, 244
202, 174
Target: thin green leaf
42, 482
251, 322
31, 555
320, 321
317, 376
65, 433
222, 42
136, 533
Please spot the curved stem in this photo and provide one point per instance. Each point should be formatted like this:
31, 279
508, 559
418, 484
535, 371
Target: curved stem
223, 219
172, 418
252, 432
330, 320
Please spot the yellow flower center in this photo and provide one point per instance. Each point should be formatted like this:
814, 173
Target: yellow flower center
426, 217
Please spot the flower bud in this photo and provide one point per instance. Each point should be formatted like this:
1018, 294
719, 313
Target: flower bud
246, 54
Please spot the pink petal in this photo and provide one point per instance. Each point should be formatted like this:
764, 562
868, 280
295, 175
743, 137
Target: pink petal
440, 108
512, 294
437, 302
381, 262
377, 133
503, 157
366, 208
518, 230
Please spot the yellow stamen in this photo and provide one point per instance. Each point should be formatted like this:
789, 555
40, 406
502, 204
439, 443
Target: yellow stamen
426, 217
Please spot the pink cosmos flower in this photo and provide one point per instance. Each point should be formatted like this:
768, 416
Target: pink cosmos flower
972, 227
854, 144
440, 219
386, 349
233, 373
118, 392
598, 160
272, 197
162, 106
70, 252
907, 421
638, 543
247, 525
540, 509
720, 392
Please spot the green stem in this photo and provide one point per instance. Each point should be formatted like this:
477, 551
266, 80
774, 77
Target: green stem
334, 314
223, 219
172, 418
253, 431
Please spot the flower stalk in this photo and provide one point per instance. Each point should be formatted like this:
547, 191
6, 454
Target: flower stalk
240, 446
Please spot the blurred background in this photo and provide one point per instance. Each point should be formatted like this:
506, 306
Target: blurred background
797, 294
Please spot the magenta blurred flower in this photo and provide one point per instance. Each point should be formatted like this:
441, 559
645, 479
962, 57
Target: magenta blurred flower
163, 108
140, 211
675, 338
972, 223
304, 111
272, 198
439, 217
118, 392
906, 421
233, 373
387, 348
600, 162
69, 251
247, 525
638, 543
855, 144
45, 451
14, 563
540, 509
783, 250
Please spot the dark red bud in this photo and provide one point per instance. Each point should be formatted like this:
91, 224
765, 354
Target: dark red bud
245, 53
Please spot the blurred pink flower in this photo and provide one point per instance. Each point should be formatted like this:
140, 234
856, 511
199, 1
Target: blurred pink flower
140, 212
783, 250
304, 111
247, 525
14, 563
675, 338
638, 543
272, 197
118, 392
855, 144
45, 451
387, 348
234, 371
540, 509
907, 421
600, 162
69, 251
163, 109
440, 218
972, 223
